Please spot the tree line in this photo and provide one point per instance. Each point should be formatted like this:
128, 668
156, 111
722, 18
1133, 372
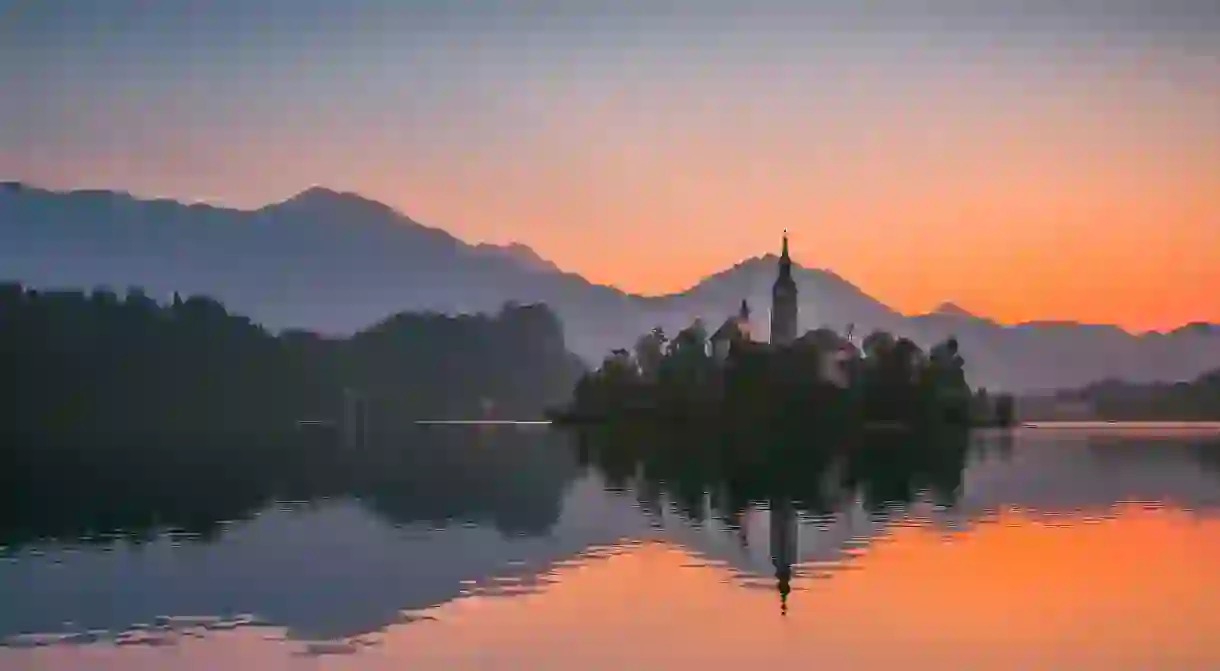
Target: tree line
883, 379
79, 365
1116, 400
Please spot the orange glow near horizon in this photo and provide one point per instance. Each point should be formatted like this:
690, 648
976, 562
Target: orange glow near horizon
1038, 244
1021, 179
1045, 241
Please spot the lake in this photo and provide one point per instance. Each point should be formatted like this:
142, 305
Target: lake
1050, 547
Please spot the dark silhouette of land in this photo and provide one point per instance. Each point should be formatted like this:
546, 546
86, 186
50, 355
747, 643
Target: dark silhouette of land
85, 368
1116, 400
889, 381
821, 380
334, 263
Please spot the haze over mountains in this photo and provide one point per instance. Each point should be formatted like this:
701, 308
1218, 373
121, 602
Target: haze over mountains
335, 262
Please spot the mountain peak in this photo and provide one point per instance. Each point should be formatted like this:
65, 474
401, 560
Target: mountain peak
951, 309
521, 253
1197, 328
317, 195
763, 269
320, 201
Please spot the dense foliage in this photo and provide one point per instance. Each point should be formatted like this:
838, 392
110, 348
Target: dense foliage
822, 376
1114, 400
80, 365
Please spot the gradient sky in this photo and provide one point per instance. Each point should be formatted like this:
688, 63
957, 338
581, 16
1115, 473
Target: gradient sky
1059, 159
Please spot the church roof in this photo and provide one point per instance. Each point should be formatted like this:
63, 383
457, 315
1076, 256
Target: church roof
731, 329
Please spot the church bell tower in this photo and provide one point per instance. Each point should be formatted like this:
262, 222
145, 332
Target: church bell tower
783, 301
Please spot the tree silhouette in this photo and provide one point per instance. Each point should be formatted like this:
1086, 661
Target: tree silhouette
650, 351
1196, 400
822, 376
81, 367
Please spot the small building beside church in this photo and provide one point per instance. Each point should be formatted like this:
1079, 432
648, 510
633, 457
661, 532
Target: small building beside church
735, 329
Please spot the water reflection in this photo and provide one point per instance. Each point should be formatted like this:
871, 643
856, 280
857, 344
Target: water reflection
324, 541
512, 478
455, 547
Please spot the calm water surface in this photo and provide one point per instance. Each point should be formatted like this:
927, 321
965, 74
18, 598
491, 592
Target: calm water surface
1050, 548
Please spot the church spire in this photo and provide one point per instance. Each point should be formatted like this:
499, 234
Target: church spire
783, 301
785, 261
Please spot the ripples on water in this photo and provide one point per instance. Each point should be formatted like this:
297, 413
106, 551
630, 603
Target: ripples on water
1058, 548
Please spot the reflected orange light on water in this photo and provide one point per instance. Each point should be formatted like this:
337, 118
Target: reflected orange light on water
1133, 592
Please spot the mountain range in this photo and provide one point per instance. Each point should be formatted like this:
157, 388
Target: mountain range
335, 262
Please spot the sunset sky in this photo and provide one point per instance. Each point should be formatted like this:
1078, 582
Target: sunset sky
1057, 161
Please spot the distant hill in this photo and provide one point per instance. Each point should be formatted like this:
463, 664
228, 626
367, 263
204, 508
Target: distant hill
1116, 400
337, 262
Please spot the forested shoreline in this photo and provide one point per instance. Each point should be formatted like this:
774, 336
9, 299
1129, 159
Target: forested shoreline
822, 379
1196, 400
83, 365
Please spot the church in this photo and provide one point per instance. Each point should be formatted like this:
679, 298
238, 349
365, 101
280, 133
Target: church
736, 329
735, 335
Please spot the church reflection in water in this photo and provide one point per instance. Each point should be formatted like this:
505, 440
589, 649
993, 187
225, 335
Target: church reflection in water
784, 532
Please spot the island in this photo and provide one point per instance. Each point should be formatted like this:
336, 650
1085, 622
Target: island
820, 378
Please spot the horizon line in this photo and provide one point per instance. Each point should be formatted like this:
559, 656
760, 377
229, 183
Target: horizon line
18, 185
